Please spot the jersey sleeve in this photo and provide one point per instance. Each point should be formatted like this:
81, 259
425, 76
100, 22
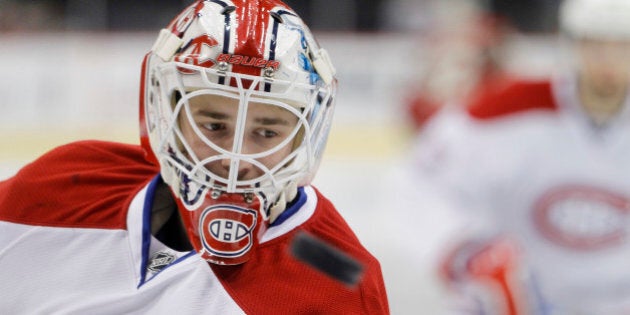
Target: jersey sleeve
81, 184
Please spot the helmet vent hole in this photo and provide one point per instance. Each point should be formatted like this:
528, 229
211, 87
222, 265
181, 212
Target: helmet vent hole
229, 9
276, 17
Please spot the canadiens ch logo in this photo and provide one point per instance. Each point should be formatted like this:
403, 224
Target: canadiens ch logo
582, 218
197, 52
226, 230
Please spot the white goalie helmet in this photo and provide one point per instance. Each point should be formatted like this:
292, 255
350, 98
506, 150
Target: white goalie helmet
602, 19
208, 83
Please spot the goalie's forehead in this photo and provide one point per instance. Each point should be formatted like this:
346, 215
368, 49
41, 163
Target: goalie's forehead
263, 104
236, 98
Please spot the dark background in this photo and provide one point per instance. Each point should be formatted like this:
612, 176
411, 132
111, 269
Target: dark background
530, 16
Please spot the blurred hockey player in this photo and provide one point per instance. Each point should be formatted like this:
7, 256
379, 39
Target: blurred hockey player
463, 50
541, 170
214, 212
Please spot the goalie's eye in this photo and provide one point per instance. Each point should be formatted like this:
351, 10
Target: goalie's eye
266, 133
214, 126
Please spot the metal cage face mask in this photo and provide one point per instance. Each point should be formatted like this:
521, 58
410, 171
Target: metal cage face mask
241, 138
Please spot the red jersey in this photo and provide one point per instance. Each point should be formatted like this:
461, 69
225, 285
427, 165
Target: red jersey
76, 239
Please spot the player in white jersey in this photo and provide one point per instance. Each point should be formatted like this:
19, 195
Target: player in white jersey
541, 169
213, 213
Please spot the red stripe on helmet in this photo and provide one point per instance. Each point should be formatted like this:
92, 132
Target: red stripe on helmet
253, 20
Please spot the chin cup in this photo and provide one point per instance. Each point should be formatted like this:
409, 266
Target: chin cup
226, 227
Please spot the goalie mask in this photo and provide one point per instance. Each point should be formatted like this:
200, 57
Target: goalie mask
236, 104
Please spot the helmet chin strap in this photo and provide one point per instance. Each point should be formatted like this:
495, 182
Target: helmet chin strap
286, 196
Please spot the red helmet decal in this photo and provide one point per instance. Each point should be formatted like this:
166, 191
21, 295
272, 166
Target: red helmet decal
197, 53
227, 230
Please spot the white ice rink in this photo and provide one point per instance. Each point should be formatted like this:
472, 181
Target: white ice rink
63, 87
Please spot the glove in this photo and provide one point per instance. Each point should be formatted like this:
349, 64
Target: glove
483, 275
